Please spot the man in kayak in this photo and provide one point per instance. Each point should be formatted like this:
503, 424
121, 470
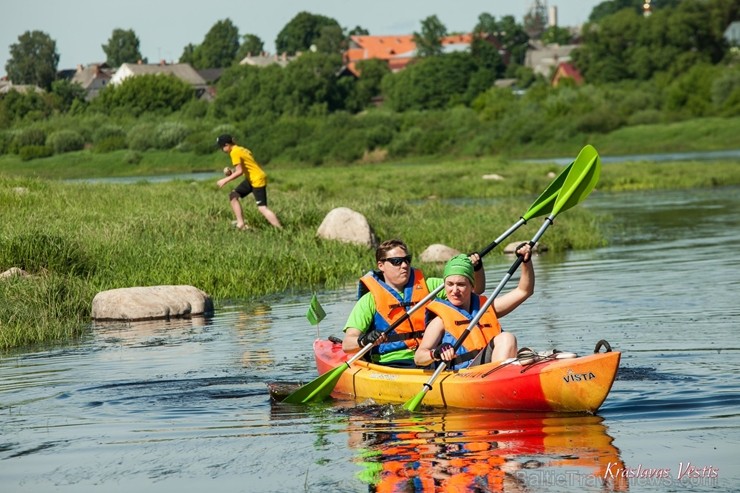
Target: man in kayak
385, 295
486, 341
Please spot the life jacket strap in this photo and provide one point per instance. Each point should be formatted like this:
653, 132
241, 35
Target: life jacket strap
465, 357
404, 336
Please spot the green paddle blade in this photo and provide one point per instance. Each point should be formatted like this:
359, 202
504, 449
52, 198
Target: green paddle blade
544, 203
581, 180
413, 403
318, 389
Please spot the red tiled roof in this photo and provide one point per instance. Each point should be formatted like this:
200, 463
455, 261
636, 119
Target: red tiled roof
397, 50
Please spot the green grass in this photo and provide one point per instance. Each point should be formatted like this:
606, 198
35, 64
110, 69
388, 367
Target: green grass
77, 239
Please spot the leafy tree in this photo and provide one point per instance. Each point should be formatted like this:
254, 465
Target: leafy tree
301, 32
251, 44
33, 60
16, 106
372, 71
331, 40
557, 35
219, 47
513, 38
484, 48
358, 31
122, 47
627, 45
66, 93
188, 54
432, 83
246, 92
610, 7
135, 96
429, 40
311, 86
606, 47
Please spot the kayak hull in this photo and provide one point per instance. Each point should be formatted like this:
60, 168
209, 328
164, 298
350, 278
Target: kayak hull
578, 384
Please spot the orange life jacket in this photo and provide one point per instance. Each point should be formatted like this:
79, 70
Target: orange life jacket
389, 307
456, 321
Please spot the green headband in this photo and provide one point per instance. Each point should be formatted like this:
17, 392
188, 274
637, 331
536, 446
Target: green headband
459, 265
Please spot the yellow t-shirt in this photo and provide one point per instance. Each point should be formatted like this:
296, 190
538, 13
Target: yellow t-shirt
242, 156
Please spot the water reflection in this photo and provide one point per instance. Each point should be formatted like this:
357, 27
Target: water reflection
485, 451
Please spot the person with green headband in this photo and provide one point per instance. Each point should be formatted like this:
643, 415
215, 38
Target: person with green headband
447, 319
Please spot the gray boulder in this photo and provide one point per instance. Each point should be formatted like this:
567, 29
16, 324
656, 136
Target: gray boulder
344, 224
152, 302
438, 253
511, 247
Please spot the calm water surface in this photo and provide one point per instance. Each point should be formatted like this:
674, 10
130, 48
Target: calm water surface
183, 405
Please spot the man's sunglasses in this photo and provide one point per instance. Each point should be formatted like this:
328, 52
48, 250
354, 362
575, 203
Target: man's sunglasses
398, 260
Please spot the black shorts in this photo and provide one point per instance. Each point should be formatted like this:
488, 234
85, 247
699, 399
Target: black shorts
260, 193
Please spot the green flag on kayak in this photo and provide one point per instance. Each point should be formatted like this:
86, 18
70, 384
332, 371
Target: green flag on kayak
315, 312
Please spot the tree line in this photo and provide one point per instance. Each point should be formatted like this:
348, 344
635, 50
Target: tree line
674, 64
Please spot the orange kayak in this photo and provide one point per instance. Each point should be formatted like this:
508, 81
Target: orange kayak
543, 383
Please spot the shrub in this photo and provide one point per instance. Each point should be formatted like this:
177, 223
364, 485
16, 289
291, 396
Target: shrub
107, 131
6, 140
170, 135
28, 153
201, 143
65, 141
111, 143
142, 137
132, 157
32, 136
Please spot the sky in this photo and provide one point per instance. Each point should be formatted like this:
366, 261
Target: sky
165, 27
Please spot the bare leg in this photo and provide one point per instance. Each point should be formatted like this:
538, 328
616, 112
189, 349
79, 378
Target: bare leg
504, 346
237, 208
270, 216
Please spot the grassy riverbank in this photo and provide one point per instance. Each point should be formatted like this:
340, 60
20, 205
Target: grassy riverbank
78, 238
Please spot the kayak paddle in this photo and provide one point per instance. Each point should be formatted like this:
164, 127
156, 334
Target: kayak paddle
579, 183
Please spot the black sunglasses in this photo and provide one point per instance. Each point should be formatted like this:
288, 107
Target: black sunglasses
397, 260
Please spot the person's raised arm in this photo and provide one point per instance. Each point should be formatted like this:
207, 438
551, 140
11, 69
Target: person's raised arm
503, 305
479, 286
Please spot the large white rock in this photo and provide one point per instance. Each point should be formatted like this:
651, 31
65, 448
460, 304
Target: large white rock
151, 302
438, 253
511, 247
344, 224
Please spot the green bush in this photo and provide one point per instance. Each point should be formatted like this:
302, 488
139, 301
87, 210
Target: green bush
107, 131
142, 137
111, 143
170, 135
6, 140
65, 141
132, 157
645, 117
31, 136
201, 143
27, 153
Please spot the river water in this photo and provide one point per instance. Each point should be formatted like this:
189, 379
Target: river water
183, 405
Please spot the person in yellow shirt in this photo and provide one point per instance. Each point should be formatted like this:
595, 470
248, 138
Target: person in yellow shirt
255, 181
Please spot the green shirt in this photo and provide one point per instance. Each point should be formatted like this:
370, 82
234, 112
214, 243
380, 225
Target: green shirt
363, 313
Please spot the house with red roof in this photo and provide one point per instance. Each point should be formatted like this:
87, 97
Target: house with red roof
400, 50
566, 70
